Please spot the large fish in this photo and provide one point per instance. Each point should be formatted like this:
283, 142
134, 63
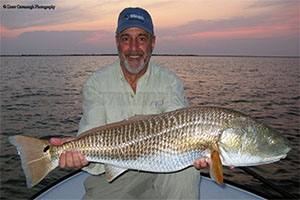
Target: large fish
165, 142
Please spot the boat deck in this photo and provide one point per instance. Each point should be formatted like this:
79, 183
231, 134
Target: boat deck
73, 188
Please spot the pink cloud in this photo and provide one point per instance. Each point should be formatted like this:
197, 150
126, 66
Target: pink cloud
264, 30
255, 32
8, 34
96, 37
2, 28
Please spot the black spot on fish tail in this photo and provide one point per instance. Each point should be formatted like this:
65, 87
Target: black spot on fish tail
46, 148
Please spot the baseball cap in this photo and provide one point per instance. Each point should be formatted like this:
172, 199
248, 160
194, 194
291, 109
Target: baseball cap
135, 17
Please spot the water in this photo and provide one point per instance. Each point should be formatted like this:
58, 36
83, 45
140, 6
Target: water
41, 96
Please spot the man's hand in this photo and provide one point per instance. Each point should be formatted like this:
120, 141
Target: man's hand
70, 158
201, 163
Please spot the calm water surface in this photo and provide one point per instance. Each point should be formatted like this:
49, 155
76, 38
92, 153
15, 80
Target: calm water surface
41, 96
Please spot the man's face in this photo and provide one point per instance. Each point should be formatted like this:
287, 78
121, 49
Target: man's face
135, 46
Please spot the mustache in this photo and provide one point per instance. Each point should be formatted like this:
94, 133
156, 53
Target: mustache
134, 53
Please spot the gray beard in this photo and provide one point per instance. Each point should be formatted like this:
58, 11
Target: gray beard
134, 67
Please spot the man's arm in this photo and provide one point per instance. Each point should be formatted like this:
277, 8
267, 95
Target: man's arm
93, 116
176, 97
94, 113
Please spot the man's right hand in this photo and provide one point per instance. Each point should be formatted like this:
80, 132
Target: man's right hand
70, 158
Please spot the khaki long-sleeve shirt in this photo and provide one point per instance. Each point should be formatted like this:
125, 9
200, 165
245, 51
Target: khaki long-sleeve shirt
108, 97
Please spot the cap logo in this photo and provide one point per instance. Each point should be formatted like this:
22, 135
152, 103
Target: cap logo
134, 17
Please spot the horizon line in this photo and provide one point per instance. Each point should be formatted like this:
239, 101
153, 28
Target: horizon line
162, 54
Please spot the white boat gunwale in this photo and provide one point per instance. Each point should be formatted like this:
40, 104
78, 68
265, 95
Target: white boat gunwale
205, 184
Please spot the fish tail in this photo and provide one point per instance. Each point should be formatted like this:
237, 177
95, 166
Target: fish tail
35, 157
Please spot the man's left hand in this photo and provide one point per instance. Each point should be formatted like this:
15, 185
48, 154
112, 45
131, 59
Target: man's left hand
201, 163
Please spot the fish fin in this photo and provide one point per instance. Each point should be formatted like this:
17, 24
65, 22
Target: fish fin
113, 172
216, 169
35, 157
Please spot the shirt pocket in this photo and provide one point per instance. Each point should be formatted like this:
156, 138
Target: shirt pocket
154, 107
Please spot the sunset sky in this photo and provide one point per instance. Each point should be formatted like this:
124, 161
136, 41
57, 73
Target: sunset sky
204, 27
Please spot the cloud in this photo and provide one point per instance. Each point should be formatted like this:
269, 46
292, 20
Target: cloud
67, 15
3, 29
275, 32
274, 3
60, 42
231, 46
201, 27
254, 26
261, 19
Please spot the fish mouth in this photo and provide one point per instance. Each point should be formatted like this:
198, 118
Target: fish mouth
274, 158
282, 156
264, 161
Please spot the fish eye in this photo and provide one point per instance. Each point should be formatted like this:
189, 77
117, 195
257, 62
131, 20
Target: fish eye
273, 142
46, 148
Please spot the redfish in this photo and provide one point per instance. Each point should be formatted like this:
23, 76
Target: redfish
162, 143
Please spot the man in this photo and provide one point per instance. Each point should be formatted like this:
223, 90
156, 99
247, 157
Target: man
132, 86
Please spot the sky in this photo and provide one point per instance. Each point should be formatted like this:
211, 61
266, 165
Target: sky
202, 27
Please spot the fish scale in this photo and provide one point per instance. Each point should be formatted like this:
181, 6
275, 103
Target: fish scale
137, 141
166, 142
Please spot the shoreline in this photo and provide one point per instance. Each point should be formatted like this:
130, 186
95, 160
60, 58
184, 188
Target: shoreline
176, 55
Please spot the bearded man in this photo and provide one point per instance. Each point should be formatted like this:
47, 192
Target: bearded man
131, 86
